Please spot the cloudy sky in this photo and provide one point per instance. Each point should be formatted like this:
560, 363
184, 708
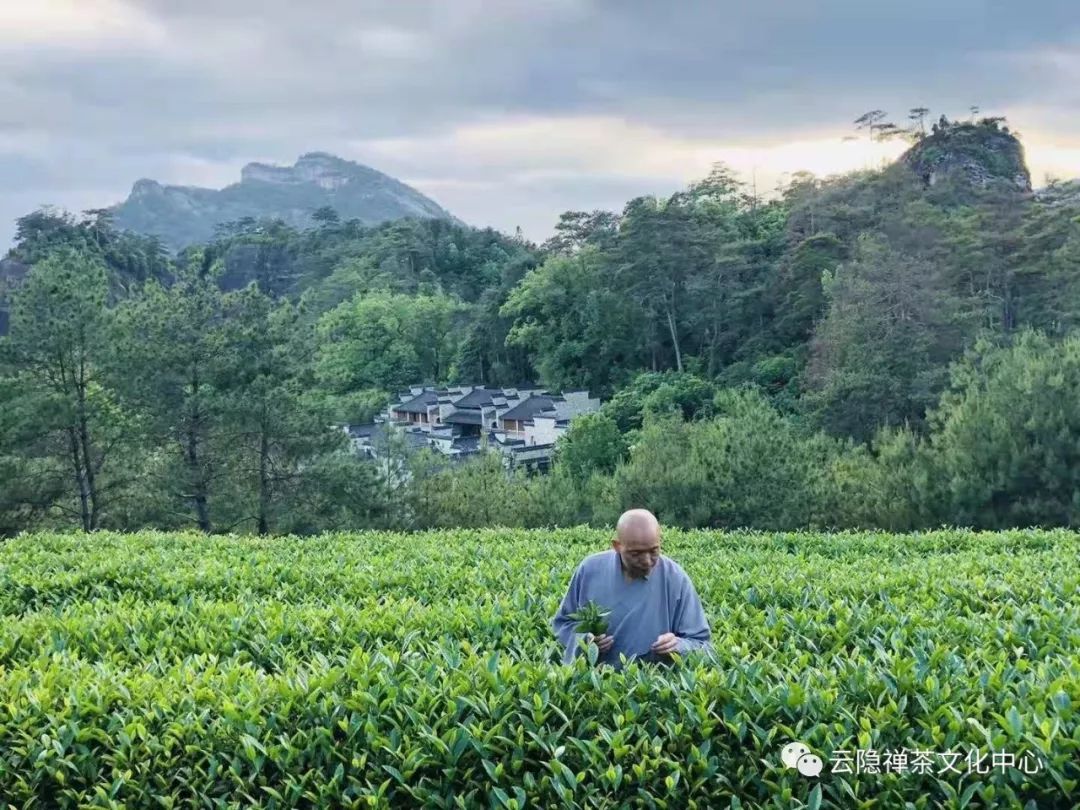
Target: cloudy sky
508, 112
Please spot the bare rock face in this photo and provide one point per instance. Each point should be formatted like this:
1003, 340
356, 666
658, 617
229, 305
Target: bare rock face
183, 215
325, 171
977, 153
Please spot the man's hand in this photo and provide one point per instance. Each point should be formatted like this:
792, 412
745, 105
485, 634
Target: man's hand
603, 643
665, 643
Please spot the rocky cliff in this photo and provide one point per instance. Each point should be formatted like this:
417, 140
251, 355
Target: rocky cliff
979, 153
183, 215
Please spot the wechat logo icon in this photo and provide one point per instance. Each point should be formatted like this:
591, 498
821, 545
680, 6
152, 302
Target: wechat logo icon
798, 756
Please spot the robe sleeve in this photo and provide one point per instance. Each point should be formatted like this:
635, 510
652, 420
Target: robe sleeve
562, 624
689, 622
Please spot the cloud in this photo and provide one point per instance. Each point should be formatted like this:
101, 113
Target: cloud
514, 110
589, 162
72, 23
608, 145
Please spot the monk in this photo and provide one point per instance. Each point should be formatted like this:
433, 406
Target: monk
655, 610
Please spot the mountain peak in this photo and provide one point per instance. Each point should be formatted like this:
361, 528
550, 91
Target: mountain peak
145, 186
980, 153
325, 157
183, 215
321, 168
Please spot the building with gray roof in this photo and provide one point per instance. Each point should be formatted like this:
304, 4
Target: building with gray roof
523, 423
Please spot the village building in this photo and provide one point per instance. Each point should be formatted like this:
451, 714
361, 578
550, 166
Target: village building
523, 423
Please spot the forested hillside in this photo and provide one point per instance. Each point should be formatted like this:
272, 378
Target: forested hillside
887, 348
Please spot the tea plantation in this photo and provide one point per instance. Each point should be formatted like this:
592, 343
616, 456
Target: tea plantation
387, 670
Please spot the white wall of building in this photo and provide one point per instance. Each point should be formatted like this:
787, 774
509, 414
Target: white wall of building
542, 431
577, 403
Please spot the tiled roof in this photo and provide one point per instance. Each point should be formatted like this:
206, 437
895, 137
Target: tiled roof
504, 440
529, 408
418, 439
418, 404
477, 398
464, 418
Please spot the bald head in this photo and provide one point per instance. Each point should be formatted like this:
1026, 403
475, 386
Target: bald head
637, 541
636, 523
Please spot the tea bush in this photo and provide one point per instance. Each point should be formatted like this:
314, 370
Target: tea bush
375, 670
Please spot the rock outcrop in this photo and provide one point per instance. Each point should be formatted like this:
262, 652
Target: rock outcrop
979, 153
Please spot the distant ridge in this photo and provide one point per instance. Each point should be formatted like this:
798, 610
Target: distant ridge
184, 215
